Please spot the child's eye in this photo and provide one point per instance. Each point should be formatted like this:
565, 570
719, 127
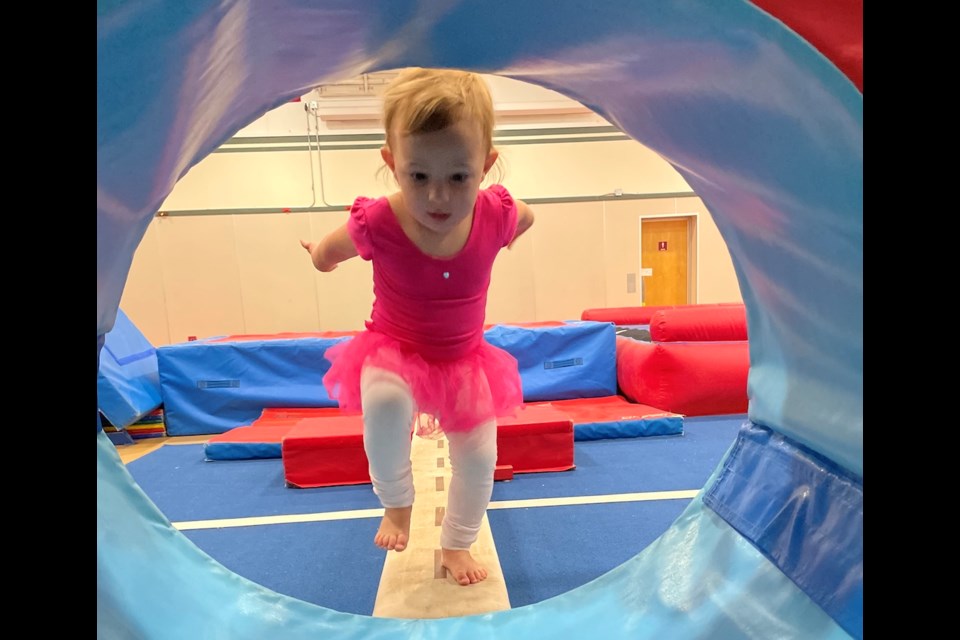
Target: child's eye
459, 177
418, 177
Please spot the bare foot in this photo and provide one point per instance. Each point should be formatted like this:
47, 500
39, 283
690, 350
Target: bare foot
394, 529
462, 566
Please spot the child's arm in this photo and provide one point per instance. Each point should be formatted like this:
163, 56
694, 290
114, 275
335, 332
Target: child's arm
335, 247
524, 220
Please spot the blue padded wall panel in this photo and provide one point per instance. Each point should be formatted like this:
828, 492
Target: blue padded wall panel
576, 360
212, 387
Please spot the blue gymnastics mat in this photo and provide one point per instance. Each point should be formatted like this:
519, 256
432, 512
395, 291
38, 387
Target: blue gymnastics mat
214, 385
128, 380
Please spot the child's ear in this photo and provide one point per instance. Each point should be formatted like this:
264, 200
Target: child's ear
387, 156
491, 159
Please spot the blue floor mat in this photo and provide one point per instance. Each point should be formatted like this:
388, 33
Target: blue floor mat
546, 551
666, 463
333, 564
186, 487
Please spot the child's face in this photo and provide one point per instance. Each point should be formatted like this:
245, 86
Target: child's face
440, 173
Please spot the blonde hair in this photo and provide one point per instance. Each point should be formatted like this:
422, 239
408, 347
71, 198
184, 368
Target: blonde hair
425, 100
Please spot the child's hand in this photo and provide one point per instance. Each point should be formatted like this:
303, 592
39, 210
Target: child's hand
313, 248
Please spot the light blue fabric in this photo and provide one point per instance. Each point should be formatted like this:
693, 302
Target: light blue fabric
764, 128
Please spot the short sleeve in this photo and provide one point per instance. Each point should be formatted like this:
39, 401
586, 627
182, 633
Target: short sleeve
357, 227
508, 213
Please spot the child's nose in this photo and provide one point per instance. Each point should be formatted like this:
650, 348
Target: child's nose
438, 192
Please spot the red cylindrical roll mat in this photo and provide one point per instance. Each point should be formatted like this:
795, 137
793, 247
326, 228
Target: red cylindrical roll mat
699, 323
690, 378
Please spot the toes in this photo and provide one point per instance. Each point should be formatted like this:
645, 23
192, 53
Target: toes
470, 577
390, 542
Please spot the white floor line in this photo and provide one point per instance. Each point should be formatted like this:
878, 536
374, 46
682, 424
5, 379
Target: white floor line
604, 499
226, 523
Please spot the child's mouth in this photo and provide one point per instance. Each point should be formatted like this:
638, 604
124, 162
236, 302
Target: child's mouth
439, 217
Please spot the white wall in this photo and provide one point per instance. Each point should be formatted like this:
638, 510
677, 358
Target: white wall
223, 270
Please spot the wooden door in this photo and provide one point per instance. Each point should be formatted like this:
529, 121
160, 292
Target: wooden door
663, 255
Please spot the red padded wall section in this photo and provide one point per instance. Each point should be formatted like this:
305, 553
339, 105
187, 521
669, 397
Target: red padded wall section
690, 378
699, 323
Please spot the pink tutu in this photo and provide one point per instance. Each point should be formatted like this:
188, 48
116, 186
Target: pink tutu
461, 394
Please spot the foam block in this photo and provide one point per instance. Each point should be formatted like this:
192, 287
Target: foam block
641, 315
538, 438
212, 386
128, 381
573, 360
699, 323
689, 378
621, 315
616, 417
325, 451
328, 450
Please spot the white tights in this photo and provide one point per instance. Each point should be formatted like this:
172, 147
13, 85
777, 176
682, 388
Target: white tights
388, 410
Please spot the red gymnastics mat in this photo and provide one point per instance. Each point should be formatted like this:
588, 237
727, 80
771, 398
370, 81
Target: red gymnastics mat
263, 437
328, 450
593, 419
